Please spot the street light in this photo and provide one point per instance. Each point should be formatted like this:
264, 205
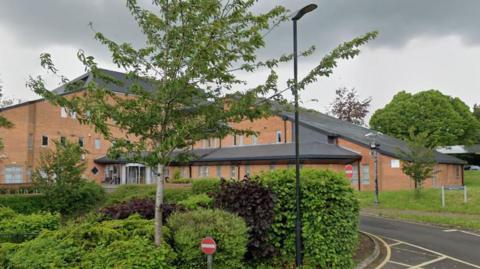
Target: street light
372, 137
298, 224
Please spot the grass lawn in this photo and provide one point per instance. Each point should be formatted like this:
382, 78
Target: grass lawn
427, 207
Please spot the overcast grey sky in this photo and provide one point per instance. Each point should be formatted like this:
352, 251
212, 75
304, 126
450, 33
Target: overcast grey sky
422, 44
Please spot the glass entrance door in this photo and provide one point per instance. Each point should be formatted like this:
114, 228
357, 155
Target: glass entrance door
136, 174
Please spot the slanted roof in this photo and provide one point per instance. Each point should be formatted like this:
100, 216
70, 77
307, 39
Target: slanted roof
122, 87
269, 152
357, 134
460, 149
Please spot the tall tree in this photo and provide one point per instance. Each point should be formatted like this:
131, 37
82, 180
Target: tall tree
419, 160
476, 111
183, 79
349, 107
445, 120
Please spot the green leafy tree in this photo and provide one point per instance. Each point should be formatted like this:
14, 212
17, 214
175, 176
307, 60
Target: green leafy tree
476, 111
445, 120
59, 178
419, 161
186, 79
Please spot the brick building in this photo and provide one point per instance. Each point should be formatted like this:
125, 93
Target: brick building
326, 142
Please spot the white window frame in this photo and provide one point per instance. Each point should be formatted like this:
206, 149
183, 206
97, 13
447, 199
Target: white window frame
278, 137
63, 113
395, 163
365, 178
98, 143
234, 171
13, 174
203, 171
254, 140
45, 145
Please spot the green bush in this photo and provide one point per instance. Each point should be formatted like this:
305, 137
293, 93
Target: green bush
205, 186
112, 244
74, 199
18, 227
126, 193
180, 180
25, 204
329, 217
228, 230
197, 201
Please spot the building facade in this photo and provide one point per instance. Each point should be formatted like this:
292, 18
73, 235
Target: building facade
326, 143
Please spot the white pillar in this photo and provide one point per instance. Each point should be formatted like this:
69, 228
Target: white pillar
123, 174
148, 175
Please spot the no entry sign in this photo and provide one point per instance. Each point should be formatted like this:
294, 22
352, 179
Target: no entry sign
208, 246
349, 171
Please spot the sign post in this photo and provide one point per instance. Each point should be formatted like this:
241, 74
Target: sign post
208, 247
454, 188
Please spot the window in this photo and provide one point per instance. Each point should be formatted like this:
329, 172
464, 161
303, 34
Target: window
278, 138
394, 163
73, 114
63, 112
234, 140
81, 142
457, 171
365, 174
29, 174
98, 143
185, 172
63, 140
205, 143
354, 173
247, 170
44, 140
203, 171
240, 140
13, 174
219, 171
254, 139
233, 171
30, 142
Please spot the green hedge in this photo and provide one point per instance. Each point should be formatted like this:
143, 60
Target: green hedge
112, 244
16, 227
205, 186
329, 216
25, 204
228, 230
197, 201
129, 192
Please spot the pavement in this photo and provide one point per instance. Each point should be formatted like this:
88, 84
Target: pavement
424, 246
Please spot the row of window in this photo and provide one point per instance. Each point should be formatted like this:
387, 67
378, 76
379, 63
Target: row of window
238, 140
45, 141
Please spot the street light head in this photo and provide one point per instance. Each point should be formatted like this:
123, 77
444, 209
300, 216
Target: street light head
306, 9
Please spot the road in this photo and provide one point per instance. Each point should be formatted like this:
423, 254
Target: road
429, 244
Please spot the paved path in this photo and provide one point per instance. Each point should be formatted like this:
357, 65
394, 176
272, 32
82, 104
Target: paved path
424, 246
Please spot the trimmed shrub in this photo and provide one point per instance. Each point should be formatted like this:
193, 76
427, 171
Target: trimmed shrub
143, 207
112, 244
74, 199
188, 229
329, 216
197, 201
18, 227
205, 186
25, 204
129, 192
180, 180
255, 204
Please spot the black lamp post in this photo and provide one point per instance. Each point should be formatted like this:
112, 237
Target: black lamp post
298, 224
373, 147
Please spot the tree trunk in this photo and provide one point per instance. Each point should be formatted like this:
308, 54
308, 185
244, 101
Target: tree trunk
158, 206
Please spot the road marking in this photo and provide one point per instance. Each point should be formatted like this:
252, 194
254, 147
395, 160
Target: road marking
429, 262
389, 251
450, 230
400, 263
394, 244
470, 233
435, 252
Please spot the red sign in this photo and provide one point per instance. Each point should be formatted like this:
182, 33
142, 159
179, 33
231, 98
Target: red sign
349, 171
208, 245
